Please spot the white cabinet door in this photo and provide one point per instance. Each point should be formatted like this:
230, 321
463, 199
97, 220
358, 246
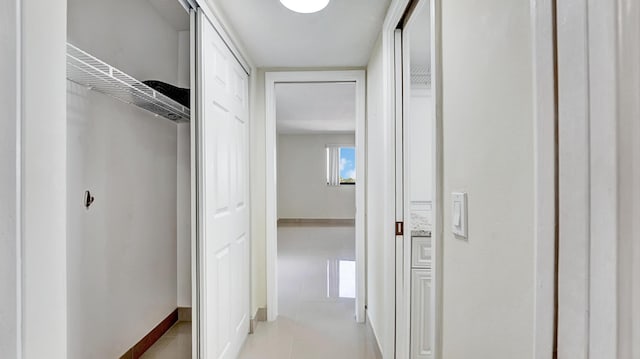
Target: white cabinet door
224, 194
421, 324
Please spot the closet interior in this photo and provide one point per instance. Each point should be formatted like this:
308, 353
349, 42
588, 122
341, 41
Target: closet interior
128, 160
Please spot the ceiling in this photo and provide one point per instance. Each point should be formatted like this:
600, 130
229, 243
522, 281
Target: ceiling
343, 34
304, 108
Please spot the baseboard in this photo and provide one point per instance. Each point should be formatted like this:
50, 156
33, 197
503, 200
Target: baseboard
316, 222
261, 316
184, 314
148, 340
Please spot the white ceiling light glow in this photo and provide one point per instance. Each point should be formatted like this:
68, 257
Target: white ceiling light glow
305, 6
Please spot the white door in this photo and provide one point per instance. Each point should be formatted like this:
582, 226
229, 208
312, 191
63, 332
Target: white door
421, 331
224, 208
415, 129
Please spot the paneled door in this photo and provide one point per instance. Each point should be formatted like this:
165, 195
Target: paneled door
223, 149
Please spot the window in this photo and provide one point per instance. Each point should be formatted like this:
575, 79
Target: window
341, 165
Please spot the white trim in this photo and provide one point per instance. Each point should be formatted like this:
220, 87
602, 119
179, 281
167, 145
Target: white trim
628, 88
601, 33
600, 84
394, 14
401, 287
198, 260
194, 180
573, 176
599, 79
271, 78
402, 321
543, 54
403, 326
43, 181
224, 29
18, 208
438, 183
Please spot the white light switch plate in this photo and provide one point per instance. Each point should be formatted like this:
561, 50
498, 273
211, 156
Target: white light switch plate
459, 214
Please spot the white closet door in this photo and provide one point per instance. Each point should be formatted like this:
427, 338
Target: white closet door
224, 192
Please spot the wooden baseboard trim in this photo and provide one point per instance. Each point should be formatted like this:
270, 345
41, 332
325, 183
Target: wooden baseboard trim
316, 222
145, 343
261, 316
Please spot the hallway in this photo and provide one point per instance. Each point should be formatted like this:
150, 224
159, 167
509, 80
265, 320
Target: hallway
314, 321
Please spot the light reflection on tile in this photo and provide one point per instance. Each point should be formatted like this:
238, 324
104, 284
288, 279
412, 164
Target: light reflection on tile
316, 275
317, 285
347, 279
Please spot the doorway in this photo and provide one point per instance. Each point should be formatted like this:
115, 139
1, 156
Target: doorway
413, 103
417, 248
316, 172
318, 79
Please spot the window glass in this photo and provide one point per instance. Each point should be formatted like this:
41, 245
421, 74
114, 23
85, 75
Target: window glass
347, 165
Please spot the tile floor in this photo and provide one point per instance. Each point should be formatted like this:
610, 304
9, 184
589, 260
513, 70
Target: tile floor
315, 274
316, 286
174, 344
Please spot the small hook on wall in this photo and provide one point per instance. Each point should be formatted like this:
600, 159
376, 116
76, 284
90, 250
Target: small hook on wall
88, 199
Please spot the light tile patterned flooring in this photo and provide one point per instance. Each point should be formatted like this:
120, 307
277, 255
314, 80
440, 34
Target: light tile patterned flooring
314, 322
174, 344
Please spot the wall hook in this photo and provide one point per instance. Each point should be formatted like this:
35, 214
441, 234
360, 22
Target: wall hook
88, 199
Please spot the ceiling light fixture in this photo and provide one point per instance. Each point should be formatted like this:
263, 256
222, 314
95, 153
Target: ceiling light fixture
305, 6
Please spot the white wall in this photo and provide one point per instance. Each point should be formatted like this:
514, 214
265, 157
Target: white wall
183, 236
129, 35
43, 183
257, 137
8, 181
122, 251
488, 152
302, 178
375, 240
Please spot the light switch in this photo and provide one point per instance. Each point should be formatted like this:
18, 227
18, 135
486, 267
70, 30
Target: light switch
459, 214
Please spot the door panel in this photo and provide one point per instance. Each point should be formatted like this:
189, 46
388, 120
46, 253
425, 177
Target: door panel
421, 330
223, 126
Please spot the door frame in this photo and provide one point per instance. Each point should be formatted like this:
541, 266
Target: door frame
545, 176
230, 38
393, 17
599, 72
400, 320
403, 326
271, 79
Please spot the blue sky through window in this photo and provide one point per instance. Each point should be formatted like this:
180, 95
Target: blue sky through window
347, 163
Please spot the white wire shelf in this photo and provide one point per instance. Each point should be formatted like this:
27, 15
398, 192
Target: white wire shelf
421, 75
86, 70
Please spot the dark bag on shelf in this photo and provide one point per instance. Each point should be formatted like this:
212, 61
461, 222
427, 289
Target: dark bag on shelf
180, 95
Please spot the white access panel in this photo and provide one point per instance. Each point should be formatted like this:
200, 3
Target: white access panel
421, 252
222, 124
421, 326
